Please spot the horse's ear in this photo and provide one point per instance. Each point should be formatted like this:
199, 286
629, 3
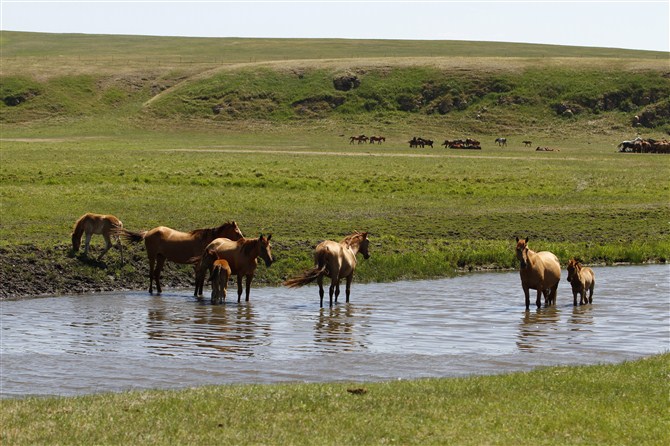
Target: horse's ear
526, 239
269, 237
517, 239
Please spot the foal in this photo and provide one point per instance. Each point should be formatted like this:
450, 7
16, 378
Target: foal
581, 278
219, 277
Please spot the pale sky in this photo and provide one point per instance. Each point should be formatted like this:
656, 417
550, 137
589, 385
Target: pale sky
638, 24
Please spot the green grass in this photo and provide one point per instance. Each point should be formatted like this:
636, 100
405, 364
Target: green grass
604, 404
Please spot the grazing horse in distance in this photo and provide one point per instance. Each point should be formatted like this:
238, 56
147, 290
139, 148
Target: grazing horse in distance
581, 278
163, 243
360, 139
527, 143
502, 142
220, 274
539, 271
106, 225
241, 256
377, 139
335, 260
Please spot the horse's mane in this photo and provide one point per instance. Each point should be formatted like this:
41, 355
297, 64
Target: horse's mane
349, 240
211, 231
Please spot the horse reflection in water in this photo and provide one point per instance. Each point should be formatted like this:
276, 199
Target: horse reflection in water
536, 328
210, 330
334, 330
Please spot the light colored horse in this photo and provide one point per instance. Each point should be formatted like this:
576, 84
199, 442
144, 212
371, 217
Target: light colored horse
106, 225
163, 243
335, 260
539, 271
241, 256
581, 278
502, 142
220, 274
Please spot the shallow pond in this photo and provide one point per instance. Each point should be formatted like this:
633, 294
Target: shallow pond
472, 324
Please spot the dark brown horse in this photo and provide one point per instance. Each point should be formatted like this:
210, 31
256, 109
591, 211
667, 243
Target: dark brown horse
539, 271
335, 260
163, 244
241, 256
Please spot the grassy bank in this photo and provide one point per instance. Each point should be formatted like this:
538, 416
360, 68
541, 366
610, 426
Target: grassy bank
606, 404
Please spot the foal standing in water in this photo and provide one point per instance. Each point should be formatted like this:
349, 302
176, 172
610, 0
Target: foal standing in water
539, 271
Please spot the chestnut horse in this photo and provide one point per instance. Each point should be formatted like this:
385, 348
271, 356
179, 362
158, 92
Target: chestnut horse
581, 278
163, 244
241, 256
539, 271
106, 225
220, 274
335, 260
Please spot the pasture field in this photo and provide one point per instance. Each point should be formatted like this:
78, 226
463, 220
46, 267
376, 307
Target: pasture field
604, 404
158, 131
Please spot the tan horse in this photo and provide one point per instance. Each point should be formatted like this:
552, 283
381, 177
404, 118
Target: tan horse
581, 278
106, 225
539, 271
163, 244
220, 274
335, 260
241, 256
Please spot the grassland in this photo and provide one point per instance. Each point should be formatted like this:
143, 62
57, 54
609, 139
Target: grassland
606, 404
265, 142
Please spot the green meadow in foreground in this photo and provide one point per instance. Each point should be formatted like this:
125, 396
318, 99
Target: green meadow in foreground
605, 404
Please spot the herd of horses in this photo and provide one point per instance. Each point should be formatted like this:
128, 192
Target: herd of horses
223, 251
640, 145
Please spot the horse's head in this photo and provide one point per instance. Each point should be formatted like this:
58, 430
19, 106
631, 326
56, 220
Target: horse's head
573, 269
229, 230
364, 245
522, 251
266, 249
76, 241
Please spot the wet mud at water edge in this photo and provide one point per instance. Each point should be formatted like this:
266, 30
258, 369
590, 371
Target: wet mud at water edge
472, 324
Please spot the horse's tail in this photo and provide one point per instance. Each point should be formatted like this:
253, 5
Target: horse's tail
131, 236
306, 277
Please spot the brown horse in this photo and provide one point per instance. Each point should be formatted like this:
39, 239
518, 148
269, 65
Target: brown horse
241, 256
539, 271
581, 278
335, 260
220, 274
106, 225
163, 244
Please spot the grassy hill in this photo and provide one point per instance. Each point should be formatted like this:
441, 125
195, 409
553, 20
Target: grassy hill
475, 87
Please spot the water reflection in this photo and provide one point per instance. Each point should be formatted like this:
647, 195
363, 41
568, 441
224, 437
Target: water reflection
334, 329
535, 328
227, 330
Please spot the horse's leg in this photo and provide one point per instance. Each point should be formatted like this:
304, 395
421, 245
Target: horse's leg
553, 294
337, 290
152, 268
538, 300
250, 277
108, 244
574, 298
319, 280
160, 262
87, 242
348, 290
334, 282
591, 292
239, 287
526, 293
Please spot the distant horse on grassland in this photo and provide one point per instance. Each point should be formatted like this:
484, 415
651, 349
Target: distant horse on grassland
163, 243
360, 139
335, 260
581, 278
241, 256
539, 271
377, 139
502, 142
106, 225
527, 143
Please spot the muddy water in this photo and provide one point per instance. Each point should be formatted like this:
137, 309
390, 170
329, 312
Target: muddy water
474, 324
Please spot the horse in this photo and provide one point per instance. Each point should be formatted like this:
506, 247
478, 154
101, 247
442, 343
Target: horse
527, 143
163, 243
539, 271
581, 278
501, 142
241, 256
106, 225
377, 139
220, 274
360, 139
335, 260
